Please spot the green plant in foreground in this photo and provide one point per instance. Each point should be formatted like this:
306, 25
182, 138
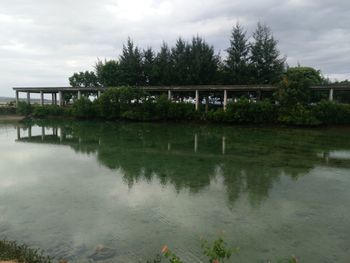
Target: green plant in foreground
21, 253
218, 250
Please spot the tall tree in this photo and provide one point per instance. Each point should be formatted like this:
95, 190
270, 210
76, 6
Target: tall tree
202, 64
148, 67
265, 57
108, 73
131, 65
85, 79
163, 66
180, 62
237, 62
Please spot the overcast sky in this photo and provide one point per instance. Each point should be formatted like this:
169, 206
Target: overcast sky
42, 42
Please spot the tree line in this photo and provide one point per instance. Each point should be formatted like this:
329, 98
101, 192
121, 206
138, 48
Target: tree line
248, 60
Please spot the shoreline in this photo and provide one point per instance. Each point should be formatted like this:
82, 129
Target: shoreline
12, 118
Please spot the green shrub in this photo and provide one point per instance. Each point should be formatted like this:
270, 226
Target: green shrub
24, 108
21, 253
48, 110
298, 115
83, 108
7, 110
332, 112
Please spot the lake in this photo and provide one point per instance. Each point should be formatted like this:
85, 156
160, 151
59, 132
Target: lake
103, 191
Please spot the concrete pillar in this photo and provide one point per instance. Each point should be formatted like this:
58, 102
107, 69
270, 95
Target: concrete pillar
225, 100
79, 94
223, 145
18, 133
42, 133
331, 94
196, 143
60, 94
42, 98
206, 104
169, 94
258, 95
28, 97
30, 132
197, 100
61, 135
53, 99
17, 97
98, 94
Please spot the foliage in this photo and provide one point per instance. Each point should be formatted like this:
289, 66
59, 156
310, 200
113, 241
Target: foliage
130, 63
332, 112
83, 108
191, 63
237, 62
266, 63
217, 251
108, 73
21, 253
7, 110
85, 79
298, 115
246, 111
48, 110
24, 108
295, 85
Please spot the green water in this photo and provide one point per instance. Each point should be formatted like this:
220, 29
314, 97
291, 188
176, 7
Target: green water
72, 188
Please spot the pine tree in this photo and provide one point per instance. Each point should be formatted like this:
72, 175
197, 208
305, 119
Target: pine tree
163, 66
202, 63
265, 57
148, 67
180, 62
237, 62
131, 65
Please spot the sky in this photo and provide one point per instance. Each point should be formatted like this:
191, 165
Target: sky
43, 42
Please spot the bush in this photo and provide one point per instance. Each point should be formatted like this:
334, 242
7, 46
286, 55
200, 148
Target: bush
48, 110
298, 115
83, 108
21, 253
245, 111
7, 110
332, 112
24, 108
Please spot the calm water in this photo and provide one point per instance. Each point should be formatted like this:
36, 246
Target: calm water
88, 191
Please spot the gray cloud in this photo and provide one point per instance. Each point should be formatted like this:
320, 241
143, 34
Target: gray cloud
42, 42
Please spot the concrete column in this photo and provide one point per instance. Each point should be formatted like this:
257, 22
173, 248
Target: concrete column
197, 100
258, 95
225, 100
18, 133
42, 98
30, 132
17, 97
223, 145
331, 94
98, 94
79, 94
42, 133
60, 94
169, 94
206, 104
196, 143
28, 97
53, 98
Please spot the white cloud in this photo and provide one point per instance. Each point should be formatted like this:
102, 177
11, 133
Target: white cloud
44, 42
